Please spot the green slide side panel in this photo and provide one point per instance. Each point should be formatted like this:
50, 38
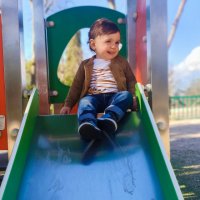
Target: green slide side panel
168, 181
67, 23
14, 171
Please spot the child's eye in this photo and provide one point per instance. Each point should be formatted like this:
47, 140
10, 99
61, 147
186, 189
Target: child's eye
108, 41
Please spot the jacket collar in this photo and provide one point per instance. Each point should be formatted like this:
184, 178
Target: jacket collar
91, 61
114, 61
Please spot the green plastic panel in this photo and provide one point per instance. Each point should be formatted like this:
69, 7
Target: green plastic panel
168, 181
48, 161
14, 172
67, 23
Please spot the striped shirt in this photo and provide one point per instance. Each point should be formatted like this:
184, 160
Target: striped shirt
102, 80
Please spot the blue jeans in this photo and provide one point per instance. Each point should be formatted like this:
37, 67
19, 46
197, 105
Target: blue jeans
91, 105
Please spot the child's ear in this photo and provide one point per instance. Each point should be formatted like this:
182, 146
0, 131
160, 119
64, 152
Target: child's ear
92, 44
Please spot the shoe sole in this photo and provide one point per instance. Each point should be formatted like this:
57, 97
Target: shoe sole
107, 125
89, 132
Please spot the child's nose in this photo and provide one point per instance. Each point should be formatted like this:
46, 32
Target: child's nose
113, 45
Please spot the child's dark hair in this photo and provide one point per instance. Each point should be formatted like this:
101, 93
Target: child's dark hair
101, 27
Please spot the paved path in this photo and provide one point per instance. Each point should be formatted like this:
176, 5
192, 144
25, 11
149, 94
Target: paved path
185, 156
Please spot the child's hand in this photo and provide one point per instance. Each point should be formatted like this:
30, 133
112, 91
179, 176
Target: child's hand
65, 110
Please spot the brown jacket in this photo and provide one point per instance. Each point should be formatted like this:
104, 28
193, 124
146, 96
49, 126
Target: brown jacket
120, 69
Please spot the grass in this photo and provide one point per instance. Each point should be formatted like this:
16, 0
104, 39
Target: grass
189, 181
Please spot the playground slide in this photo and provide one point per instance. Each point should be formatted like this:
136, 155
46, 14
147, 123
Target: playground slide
47, 161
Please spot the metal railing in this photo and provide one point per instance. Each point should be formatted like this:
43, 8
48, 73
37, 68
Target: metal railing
184, 107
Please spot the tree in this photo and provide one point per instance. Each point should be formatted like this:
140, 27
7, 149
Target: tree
176, 22
171, 82
30, 74
194, 88
71, 56
70, 60
111, 4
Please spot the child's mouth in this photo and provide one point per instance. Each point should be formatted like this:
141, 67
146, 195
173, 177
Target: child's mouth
111, 53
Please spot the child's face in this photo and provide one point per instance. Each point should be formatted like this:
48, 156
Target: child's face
106, 46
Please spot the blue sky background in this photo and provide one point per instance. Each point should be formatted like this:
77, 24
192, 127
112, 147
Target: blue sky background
188, 33
187, 36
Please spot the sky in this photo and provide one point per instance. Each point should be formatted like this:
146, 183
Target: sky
188, 33
186, 38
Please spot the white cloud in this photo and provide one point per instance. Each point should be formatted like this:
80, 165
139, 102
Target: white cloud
191, 62
188, 70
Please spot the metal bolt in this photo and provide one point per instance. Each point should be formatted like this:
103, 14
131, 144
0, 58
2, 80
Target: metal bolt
14, 132
162, 125
54, 93
144, 39
50, 24
135, 16
27, 93
121, 20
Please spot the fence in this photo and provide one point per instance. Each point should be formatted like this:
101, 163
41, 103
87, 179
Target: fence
184, 107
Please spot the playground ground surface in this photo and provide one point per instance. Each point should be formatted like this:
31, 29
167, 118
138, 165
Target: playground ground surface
185, 156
